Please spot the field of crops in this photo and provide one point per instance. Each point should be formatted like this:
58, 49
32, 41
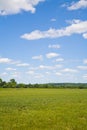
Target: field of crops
43, 109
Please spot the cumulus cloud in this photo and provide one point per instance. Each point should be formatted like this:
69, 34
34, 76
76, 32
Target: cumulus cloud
48, 73
52, 55
85, 76
78, 5
16, 74
22, 64
82, 67
54, 46
77, 27
85, 35
58, 73
8, 7
53, 19
38, 75
49, 67
40, 57
5, 60
69, 70
59, 60
85, 61
46, 67
10, 69
30, 72
4, 74
12, 62
73, 21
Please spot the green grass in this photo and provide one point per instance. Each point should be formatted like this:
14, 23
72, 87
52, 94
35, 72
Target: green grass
43, 109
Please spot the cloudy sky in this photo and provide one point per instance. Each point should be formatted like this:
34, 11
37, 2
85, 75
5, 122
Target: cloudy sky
43, 41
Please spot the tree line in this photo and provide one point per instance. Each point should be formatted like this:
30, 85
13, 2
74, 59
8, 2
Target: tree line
13, 84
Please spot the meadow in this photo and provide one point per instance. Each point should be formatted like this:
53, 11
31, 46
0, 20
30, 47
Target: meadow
43, 109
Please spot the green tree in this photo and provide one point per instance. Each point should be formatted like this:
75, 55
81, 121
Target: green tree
12, 83
20, 85
1, 82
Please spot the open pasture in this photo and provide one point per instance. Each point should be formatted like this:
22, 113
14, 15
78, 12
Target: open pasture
43, 109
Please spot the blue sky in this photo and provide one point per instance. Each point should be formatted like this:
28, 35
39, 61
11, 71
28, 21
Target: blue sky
43, 41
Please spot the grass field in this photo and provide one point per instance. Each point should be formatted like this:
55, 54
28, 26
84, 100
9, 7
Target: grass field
43, 109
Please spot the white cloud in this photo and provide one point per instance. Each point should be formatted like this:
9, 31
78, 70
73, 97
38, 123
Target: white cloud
22, 64
82, 67
30, 72
38, 75
12, 62
58, 73
33, 68
10, 69
40, 57
55, 46
45, 67
78, 5
16, 75
85, 61
85, 35
69, 70
15, 62
4, 74
59, 60
49, 67
5, 60
48, 73
85, 76
52, 55
73, 21
53, 19
8, 7
34, 74
77, 27
58, 66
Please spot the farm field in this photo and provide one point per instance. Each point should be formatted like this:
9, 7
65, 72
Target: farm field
43, 109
